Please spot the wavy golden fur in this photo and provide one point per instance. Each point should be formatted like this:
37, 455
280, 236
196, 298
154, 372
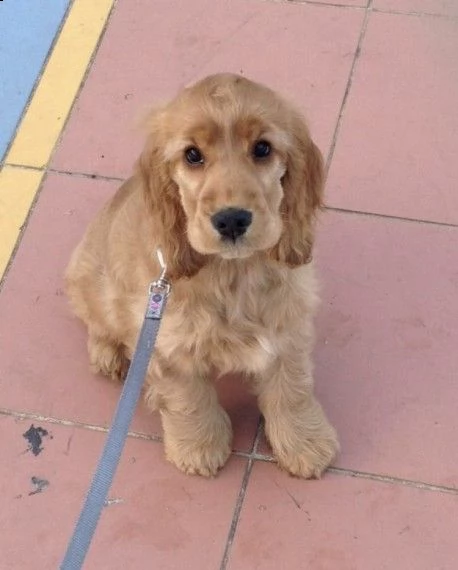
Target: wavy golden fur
244, 291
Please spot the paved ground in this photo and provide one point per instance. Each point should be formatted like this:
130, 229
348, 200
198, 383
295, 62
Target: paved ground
379, 84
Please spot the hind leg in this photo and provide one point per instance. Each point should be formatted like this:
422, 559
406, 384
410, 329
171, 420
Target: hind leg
107, 357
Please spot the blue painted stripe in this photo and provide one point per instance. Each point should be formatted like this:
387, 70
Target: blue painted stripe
27, 30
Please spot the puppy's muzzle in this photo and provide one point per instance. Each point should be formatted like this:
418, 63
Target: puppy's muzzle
231, 223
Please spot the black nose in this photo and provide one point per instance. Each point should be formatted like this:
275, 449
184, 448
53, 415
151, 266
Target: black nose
231, 222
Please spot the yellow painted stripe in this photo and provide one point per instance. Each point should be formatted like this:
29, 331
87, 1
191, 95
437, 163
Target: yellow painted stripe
43, 122
17, 191
53, 98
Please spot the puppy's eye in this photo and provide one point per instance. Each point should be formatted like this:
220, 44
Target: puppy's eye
193, 156
261, 149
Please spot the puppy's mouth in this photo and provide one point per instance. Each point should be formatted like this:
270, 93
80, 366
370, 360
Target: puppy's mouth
235, 248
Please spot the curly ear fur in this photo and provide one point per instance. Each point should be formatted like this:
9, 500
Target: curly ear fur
303, 193
168, 219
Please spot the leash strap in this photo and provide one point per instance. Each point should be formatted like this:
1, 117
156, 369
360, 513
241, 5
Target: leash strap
116, 438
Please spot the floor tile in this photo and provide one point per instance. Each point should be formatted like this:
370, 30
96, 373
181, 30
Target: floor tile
396, 152
442, 7
27, 31
158, 517
386, 356
48, 371
252, 37
339, 3
343, 523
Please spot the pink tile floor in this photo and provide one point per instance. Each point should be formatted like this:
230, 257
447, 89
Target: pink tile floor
380, 87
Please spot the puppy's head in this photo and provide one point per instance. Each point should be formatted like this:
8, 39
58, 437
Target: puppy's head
230, 169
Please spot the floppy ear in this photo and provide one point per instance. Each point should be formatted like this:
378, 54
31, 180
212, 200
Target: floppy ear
168, 219
303, 193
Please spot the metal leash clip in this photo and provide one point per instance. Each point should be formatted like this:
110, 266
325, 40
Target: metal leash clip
158, 291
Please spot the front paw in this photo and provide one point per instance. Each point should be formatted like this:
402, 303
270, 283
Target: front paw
203, 460
304, 452
311, 459
205, 454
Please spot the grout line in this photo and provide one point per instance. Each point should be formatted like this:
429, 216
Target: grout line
236, 515
71, 423
366, 475
390, 217
317, 3
327, 4
343, 105
345, 6
259, 434
66, 172
243, 454
85, 175
37, 81
265, 458
256, 456
241, 496
416, 14
25, 167
394, 480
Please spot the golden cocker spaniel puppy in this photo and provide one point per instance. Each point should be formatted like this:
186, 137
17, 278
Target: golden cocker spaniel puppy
227, 185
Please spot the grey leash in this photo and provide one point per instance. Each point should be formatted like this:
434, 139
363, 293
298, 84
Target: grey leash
108, 462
